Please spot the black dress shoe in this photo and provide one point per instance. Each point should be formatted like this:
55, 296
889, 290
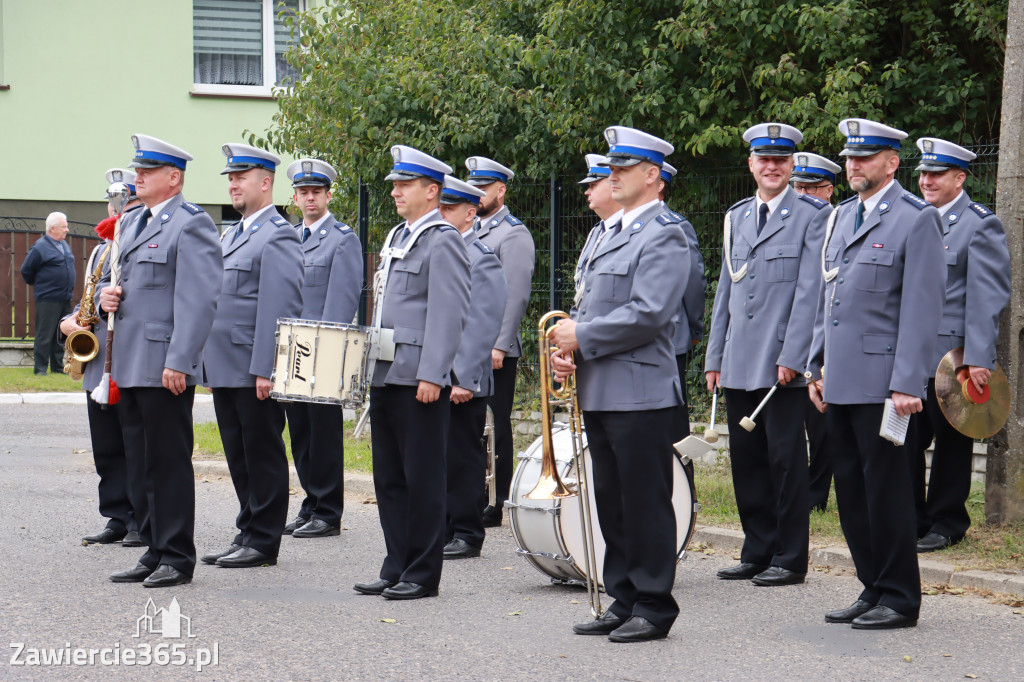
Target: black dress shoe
246, 557
603, 625
105, 537
933, 542
883, 618
299, 522
212, 557
132, 575
460, 549
317, 528
854, 610
775, 575
405, 590
375, 588
132, 539
166, 576
741, 572
637, 629
492, 516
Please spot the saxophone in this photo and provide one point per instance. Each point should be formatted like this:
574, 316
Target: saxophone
81, 346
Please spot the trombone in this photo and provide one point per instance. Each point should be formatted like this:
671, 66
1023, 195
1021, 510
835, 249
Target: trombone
550, 485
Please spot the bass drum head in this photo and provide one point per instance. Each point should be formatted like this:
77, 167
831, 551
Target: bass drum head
682, 502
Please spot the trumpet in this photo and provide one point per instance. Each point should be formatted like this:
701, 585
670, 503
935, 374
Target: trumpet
81, 346
550, 485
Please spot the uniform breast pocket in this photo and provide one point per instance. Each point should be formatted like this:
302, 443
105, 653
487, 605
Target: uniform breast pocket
611, 281
950, 258
875, 270
151, 270
782, 262
831, 256
316, 272
239, 277
740, 254
407, 277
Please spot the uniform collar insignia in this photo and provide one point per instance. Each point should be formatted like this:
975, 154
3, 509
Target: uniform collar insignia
952, 217
784, 212
747, 214
165, 216
882, 206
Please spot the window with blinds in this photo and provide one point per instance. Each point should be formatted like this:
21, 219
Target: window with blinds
231, 39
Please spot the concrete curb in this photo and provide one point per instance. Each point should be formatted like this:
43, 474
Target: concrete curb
933, 572
68, 398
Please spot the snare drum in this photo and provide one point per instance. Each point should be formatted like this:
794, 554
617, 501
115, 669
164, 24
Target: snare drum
320, 362
549, 533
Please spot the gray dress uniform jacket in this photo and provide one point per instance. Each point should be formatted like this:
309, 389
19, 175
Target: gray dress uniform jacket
486, 309
878, 319
766, 319
690, 324
626, 317
427, 333
170, 278
333, 272
513, 244
262, 282
977, 282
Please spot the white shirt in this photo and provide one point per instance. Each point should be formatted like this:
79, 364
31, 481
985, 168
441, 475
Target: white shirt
630, 217
773, 203
872, 201
945, 207
155, 210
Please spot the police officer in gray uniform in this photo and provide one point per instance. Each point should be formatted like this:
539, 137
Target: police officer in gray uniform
977, 291
816, 175
761, 329
108, 452
874, 338
473, 379
628, 389
262, 282
164, 306
421, 294
513, 244
333, 280
690, 323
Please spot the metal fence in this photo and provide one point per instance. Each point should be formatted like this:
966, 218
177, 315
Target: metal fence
556, 213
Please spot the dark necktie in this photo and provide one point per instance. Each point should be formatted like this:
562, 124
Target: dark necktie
305, 234
403, 235
762, 218
859, 220
615, 230
238, 231
143, 219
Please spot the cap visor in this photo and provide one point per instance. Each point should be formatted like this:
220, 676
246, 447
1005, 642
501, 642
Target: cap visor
147, 163
589, 179
402, 176
806, 177
773, 152
481, 181
311, 183
864, 151
623, 161
240, 168
937, 167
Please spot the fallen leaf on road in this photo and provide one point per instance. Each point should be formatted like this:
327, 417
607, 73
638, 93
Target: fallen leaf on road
387, 620
575, 601
515, 613
907, 659
947, 655
370, 500
78, 451
506, 568
971, 676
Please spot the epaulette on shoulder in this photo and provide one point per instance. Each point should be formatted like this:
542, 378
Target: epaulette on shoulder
192, 208
512, 220
741, 202
981, 209
279, 221
444, 227
342, 226
849, 199
483, 247
669, 217
814, 201
915, 201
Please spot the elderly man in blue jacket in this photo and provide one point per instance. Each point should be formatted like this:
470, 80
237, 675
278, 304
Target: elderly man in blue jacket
49, 269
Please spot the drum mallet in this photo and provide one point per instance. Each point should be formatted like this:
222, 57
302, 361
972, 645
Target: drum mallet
710, 435
748, 422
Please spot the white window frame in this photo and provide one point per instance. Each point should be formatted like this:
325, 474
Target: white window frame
269, 63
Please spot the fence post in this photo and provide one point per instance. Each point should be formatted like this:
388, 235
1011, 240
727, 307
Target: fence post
363, 224
555, 246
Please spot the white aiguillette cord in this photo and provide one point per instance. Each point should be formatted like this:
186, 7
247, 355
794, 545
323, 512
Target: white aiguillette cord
727, 245
829, 227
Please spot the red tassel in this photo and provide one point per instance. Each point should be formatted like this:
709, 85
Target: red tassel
115, 392
105, 229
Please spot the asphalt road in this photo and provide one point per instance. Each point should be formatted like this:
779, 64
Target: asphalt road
496, 617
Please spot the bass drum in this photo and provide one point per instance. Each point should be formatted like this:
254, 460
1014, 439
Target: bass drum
549, 533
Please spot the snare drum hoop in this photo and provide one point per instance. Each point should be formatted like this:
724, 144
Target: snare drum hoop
355, 394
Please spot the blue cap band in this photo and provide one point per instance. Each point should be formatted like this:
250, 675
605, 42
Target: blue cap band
162, 158
416, 169
942, 158
471, 198
772, 142
488, 174
873, 141
666, 176
812, 170
131, 188
600, 170
654, 157
255, 160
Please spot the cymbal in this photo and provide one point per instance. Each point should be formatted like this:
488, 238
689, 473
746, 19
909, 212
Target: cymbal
976, 415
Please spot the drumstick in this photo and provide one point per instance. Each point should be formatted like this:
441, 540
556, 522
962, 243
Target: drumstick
711, 435
748, 422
